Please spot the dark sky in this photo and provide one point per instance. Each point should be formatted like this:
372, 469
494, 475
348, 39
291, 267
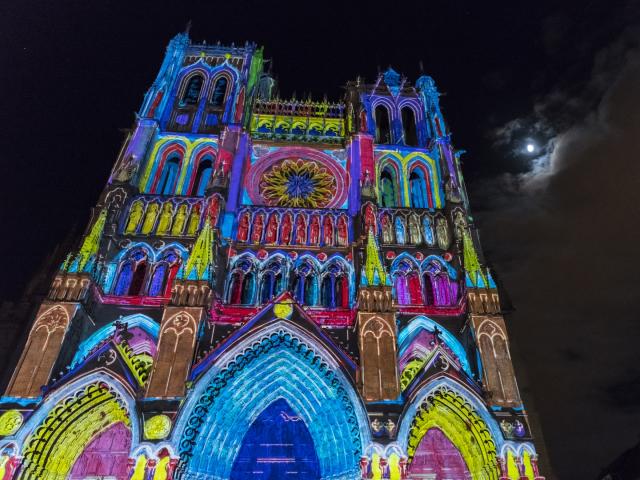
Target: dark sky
560, 226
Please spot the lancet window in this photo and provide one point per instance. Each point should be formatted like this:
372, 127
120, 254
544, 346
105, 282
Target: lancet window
419, 188
272, 280
219, 91
138, 274
202, 178
335, 286
383, 125
305, 282
242, 283
167, 183
409, 127
389, 187
192, 90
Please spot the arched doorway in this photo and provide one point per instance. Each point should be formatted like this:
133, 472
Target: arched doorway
106, 456
79, 432
436, 457
277, 445
280, 362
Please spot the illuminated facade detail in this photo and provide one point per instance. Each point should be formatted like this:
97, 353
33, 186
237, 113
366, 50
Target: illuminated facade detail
272, 288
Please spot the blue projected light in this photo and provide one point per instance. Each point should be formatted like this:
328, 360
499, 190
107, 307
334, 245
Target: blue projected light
278, 445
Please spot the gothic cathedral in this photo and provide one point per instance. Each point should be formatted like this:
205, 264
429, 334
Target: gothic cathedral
272, 289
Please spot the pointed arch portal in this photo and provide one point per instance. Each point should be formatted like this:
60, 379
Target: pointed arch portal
277, 445
75, 435
277, 373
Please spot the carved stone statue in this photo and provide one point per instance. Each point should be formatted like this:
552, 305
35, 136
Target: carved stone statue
180, 220
194, 220
135, 215
150, 218
442, 233
165, 219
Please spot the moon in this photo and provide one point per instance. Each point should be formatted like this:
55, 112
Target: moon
530, 147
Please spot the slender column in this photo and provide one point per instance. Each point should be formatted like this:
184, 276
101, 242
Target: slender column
171, 468
403, 468
151, 468
131, 467
364, 467
502, 466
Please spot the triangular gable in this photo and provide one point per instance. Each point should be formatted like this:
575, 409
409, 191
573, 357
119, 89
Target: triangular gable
283, 308
107, 356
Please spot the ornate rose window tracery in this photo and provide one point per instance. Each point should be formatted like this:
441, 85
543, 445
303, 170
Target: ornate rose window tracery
295, 177
298, 183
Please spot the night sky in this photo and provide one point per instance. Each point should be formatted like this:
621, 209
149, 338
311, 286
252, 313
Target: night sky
560, 226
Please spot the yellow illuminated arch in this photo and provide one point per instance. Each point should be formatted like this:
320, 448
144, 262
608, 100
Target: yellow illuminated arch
456, 418
52, 450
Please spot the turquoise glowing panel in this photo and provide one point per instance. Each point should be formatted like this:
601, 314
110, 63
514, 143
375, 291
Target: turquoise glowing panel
278, 445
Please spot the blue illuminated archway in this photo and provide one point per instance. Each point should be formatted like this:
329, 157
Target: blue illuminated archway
277, 445
278, 363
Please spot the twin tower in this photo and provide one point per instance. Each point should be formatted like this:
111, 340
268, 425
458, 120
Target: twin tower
272, 289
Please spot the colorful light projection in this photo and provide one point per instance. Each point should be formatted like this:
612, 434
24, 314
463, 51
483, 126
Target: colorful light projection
70, 426
394, 182
189, 152
276, 366
10, 422
297, 177
157, 427
277, 445
449, 412
299, 184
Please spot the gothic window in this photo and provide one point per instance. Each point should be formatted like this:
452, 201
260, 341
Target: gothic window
169, 176
132, 274
241, 286
192, 92
427, 286
389, 187
158, 281
203, 176
335, 287
406, 283
163, 274
219, 91
272, 284
124, 279
438, 289
305, 284
409, 127
383, 126
419, 193
137, 280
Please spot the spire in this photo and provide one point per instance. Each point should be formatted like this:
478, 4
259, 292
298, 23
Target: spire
475, 276
91, 242
201, 257
374, 273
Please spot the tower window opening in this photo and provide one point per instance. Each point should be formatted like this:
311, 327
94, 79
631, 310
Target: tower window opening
203, 176
169, 176
192, 92
388, 188
409, 127
219, 92
383, 125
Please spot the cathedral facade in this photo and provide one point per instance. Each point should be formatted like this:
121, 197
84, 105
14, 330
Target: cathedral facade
272, 289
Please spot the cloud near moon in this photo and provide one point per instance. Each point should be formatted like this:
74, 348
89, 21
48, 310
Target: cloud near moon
563, 235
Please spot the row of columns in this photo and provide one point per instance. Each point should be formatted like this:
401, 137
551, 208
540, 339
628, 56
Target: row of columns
150, 469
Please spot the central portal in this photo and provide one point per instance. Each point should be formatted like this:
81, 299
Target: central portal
277, 446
